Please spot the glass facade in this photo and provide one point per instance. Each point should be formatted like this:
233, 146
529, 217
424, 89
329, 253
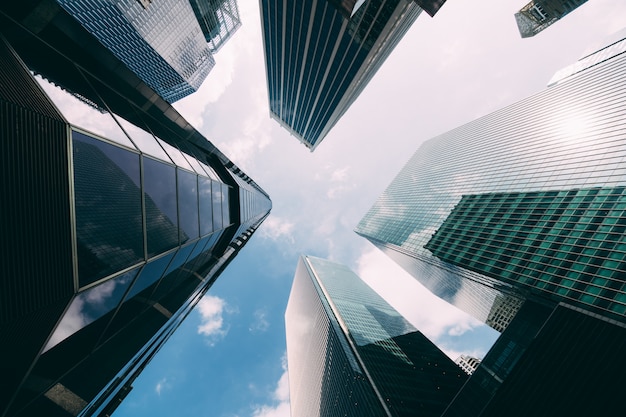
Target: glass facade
161, 42
218, 19
318, 61
539, 183
140, 227
351, 354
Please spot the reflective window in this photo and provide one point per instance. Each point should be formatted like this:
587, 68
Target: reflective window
225, 205
175, 154
217, 205
160, 199
109, 227
188, 205
206, 206
150, 274
210, 172
90, 305
144, 140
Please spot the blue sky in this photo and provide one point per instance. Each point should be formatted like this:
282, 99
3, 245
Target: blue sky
227, 359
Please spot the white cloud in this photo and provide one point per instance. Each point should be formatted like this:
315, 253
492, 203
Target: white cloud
280, 398
260, 323
211, 311
161, 385
275, 228
428, 313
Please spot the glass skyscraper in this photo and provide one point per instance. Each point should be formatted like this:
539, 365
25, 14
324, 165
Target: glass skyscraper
524, 203
351, 354
319, 58
160, 41
119, 217
539, 14
218, 19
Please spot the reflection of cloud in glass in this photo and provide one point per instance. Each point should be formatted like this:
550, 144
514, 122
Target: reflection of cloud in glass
90, 305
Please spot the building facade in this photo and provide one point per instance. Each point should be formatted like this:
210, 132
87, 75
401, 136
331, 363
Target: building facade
539, 14
218, 19
467, 363
524, 203
121, 218
160, 41
351, 354
320, 55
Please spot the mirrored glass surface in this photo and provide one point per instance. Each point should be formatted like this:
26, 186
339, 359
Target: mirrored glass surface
89, 117
160, 199
188, 205
109, 229
175, 154
217, 205
90, 305
225, 205
206, 205
144, 140
210, 172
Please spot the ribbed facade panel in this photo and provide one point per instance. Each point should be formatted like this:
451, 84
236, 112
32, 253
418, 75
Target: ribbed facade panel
570, 137
351, 354
319, 61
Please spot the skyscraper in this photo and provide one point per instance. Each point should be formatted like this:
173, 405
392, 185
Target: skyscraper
218, 19
160, 41
119, 218
539, 14
351, 354
527, 202
319, 56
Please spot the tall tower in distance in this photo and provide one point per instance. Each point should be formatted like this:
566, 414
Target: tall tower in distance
527, 202
320, 55
539, 14
351, 354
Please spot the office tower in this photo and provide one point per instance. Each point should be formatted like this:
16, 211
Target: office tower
351, 354
118, 216
318, 59
467, 363
527, 202
539, 14
218, 19
160, 41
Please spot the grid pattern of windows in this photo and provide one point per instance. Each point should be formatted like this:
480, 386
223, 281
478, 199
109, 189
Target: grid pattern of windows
162, 43
318, 62
405, 371
570, 243
571, 136
218, 19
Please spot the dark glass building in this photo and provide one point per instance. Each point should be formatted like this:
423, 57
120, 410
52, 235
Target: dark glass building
351, 354
118, 216
524, 203
320, 55
539, 14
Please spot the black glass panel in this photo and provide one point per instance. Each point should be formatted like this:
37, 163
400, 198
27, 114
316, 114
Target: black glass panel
160, 199
109, 227
217, 205
91, 305
206, 206
188, 205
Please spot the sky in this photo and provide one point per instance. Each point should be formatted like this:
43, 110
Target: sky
228, 357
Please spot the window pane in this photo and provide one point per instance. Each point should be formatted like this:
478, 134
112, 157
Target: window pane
160, 199
109, 228
217, 205
188, 205
206, 206
90, 305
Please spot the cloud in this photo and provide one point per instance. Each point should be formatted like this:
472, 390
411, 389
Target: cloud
260, 323
276, 228
280, 398
161, 385
211, 310
428, 313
